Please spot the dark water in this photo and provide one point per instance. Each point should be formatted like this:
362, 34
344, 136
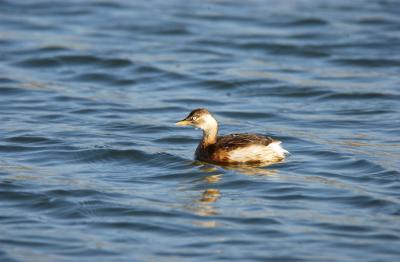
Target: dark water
93, 169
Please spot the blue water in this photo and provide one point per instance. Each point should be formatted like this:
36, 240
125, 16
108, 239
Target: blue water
92, 167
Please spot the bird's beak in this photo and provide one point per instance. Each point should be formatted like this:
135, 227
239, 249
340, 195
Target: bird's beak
183, 122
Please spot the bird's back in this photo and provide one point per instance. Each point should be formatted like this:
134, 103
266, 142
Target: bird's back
234, 141
242, 148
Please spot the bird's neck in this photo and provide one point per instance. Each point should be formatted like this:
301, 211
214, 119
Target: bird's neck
210, 131
209, 136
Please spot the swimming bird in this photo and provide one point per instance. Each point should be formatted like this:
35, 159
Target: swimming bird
233, 149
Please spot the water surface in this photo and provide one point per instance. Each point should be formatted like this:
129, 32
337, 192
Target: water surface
92, 167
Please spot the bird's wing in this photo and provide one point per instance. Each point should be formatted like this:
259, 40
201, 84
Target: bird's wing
233, 141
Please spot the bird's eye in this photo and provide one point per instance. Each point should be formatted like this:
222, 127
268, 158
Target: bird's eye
194, 118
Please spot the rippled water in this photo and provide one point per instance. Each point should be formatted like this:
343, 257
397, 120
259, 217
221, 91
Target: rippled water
92, 167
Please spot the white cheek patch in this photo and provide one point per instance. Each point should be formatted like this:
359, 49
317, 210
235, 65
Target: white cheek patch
208, 122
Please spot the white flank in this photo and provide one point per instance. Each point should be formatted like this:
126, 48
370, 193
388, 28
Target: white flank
271, 153
278, 149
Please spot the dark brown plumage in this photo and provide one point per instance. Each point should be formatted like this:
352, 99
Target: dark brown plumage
234, 148
220, 151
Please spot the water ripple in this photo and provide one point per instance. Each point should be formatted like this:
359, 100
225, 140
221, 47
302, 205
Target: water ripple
368, 62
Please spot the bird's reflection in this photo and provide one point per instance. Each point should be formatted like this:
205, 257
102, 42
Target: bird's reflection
253, 171
205, 205
243, 169
213, 178
210, 195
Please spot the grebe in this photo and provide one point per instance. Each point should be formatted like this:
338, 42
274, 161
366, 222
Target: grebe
234, 149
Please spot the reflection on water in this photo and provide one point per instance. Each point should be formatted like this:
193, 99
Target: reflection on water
210, 195
254, 171
213, 178
204, 205
240, 169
